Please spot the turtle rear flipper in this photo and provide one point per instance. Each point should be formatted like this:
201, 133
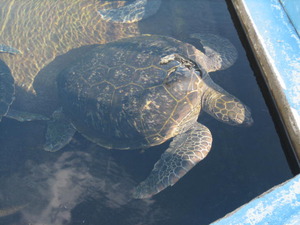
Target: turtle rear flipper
184, 152
220, 53
24, 116
12, 210
8, 49
59, 132
134, 12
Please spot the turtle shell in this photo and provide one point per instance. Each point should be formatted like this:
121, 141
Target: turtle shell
120, 96
7, 89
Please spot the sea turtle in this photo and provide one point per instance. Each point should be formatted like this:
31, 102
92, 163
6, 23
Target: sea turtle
7, 91
34, 32
133, 12
142, 91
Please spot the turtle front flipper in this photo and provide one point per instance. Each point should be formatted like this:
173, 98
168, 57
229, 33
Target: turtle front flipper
184, 152
8, 49
59, 132
134, 12
225, 107
219, 53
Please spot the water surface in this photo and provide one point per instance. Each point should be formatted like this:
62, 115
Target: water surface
86, 184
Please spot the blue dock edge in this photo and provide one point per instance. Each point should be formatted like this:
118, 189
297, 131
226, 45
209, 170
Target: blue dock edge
272, 28
278, 206
273, 31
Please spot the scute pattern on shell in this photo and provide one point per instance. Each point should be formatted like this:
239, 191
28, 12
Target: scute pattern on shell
125, 96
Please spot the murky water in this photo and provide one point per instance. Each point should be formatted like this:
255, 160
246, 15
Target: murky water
86, 184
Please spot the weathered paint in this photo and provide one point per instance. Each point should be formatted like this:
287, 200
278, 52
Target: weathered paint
278, 206
292, 8
276, 45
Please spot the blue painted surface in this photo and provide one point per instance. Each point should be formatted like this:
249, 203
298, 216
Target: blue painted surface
280, 206
281, 44
292, 8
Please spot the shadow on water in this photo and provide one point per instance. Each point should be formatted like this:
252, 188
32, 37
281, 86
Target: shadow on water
85, 184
